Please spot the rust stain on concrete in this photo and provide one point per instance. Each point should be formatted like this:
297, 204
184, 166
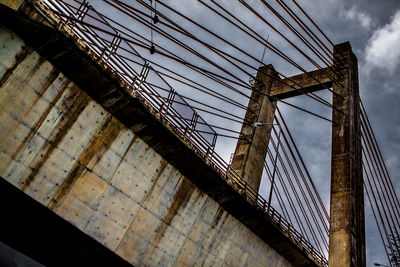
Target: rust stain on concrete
181, 198
158, 173
101, 154
217, 217
49, 81
25, 52
108, 132
69, 118
42, 118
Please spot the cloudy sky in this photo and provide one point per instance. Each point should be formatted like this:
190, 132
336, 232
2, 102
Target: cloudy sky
373, 29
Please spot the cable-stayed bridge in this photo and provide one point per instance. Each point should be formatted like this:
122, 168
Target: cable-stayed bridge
167, 77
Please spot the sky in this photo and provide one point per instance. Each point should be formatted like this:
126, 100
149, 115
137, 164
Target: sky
372, 28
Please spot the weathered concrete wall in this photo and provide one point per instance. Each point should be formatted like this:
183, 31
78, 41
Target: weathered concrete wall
66, 151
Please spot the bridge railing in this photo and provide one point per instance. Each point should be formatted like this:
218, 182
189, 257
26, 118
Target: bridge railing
117, 53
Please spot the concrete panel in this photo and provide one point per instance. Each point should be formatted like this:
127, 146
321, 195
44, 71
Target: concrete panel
188, 254
112, 217
208, 259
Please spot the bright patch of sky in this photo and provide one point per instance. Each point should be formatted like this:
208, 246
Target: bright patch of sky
382, 50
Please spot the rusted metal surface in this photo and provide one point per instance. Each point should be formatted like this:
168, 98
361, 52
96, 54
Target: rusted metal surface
125, 188
347, 233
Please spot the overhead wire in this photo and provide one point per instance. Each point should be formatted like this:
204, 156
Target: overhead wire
306, 29
315, 97
197, 85
240, 120
378, 154
376, 220
380, 195
173, 39
203, 71
217, 95
137, 42
325, 60
290, 200
388, 207
308, 194
282, 101
271, 47
218, 51
278, 194
118, 1
290, 42
203, 110
312, 21
306, 111
302, 199
379, 209
303, 165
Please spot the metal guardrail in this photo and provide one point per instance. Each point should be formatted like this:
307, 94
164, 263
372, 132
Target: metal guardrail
112, 50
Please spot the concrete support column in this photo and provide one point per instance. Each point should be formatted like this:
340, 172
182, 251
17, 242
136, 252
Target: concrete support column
249, 156
347, 223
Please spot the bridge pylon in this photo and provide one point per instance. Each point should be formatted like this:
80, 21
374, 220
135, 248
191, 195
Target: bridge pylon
347, 222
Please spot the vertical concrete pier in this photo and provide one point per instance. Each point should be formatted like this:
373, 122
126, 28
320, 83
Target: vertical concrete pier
249, 156
347, 233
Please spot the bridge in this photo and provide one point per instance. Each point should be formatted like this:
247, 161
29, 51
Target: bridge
115, 167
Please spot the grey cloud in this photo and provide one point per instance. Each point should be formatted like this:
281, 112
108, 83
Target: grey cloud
382, 48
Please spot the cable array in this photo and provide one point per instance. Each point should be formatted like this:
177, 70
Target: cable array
380, 192
294, 189
177, 34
